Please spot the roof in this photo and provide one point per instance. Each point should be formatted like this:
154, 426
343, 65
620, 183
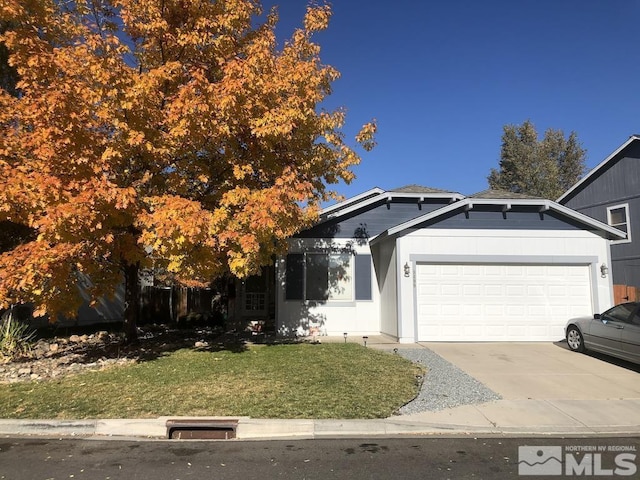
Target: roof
418, 189
507, 204
601, 166
502, 194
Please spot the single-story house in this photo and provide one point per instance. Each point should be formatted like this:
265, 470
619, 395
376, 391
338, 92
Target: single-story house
421, 264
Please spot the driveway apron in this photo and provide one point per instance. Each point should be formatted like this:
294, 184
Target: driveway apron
542, 371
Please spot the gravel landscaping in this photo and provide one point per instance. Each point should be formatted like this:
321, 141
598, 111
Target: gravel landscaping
444, 385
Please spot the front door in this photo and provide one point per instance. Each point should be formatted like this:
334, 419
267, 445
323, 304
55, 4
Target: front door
257, 299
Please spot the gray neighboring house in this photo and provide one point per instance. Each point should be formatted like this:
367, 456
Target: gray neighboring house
610, 193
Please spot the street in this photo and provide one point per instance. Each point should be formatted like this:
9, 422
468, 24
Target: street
379, 458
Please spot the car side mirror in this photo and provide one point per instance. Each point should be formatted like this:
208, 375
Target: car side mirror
597, 316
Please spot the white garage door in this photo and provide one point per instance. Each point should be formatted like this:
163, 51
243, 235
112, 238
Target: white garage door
499, 302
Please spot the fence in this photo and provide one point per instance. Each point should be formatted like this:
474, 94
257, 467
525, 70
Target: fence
625, 293
161, 305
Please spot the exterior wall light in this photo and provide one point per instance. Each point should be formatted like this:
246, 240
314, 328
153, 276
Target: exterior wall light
604, 270
407, 269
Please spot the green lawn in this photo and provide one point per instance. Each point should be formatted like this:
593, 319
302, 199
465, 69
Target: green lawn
280, 381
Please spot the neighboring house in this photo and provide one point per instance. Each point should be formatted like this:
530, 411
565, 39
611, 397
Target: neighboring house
106, 309
420, 264
610, 193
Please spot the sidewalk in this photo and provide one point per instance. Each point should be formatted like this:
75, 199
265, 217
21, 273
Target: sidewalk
502, 417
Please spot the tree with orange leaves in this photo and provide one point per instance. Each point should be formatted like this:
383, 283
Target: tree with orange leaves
171, 135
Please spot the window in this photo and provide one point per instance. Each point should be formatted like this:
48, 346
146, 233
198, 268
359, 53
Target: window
255, 293
619, 313
340, 277
328, 277
618, 217
317, 276
254, 302
636, 318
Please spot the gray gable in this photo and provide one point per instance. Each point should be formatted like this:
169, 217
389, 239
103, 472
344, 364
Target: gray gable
490, 217
373, 219
514, 214
615, 179
615, 182
379, 215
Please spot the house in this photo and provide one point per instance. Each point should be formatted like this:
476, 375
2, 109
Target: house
610, 193
421, 264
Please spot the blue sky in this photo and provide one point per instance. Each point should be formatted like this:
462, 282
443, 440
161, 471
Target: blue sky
443, 77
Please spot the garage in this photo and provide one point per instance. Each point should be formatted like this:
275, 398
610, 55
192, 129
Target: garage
499, 301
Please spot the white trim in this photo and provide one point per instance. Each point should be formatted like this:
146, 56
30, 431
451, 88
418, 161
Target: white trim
348, 201
597, 168
628, 223
587, 220
469, 203
504, 259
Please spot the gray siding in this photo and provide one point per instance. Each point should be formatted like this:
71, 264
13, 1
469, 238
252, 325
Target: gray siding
626, 271
618, 183
520, 218
615, 184
371, 220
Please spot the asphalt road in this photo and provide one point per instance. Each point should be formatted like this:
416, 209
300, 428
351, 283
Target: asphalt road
398, 458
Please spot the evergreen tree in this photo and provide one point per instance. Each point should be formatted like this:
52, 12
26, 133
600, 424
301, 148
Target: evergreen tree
543, 168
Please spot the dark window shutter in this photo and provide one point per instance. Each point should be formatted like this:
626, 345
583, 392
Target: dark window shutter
317, 277
363, 277
294, 279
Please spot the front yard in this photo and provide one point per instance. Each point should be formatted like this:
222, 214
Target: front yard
261, 381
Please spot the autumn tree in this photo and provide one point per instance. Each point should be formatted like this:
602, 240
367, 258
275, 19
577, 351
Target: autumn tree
172, 135
11, 234
8, 74
543, 168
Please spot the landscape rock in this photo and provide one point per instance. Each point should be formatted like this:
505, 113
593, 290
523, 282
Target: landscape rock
68, 355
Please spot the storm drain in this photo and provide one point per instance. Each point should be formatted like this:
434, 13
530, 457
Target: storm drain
201, 429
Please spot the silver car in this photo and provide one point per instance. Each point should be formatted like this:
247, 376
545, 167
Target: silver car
615, 332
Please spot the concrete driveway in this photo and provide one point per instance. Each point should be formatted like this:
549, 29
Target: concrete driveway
543, 371
545, 388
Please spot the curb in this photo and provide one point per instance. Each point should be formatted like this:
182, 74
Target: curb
301, 429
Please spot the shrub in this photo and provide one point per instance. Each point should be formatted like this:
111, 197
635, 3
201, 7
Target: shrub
16, 337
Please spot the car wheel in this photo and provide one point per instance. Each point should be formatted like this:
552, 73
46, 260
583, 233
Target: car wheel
574, 339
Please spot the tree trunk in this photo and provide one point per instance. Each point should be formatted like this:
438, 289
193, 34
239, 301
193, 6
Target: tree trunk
131, 303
